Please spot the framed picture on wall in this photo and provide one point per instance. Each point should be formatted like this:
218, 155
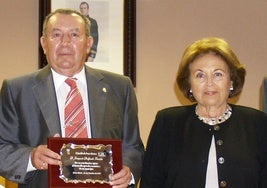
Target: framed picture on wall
112, 27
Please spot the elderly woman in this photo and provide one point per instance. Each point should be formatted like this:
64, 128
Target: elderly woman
210, 143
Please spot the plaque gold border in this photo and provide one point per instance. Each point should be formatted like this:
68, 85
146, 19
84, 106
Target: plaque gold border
55, 144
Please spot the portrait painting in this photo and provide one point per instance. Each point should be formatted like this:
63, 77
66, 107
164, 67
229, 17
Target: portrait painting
112, 29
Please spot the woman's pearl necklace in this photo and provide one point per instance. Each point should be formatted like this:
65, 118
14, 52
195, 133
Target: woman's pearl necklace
214, 121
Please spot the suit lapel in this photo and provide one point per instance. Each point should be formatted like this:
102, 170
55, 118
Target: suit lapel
97, 95
46, 98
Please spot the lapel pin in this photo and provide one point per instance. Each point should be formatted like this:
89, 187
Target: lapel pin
104, 89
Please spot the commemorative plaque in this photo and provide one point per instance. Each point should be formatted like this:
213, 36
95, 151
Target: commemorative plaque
84, 162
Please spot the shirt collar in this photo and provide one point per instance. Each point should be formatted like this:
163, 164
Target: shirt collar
59, 79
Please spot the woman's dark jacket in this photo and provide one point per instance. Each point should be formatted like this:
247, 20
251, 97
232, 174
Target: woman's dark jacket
178, 148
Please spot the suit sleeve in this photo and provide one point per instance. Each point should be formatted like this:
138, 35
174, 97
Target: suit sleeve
14, 155
153, 175
264, 89
133, 149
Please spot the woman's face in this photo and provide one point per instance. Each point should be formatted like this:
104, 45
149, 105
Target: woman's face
210, 80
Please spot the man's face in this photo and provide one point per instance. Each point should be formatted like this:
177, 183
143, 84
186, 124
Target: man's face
84, 9
65, 44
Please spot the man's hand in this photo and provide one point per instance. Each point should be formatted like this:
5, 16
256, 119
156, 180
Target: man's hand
41, 156
122, 178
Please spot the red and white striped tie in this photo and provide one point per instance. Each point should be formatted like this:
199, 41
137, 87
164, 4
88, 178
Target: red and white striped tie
75, 124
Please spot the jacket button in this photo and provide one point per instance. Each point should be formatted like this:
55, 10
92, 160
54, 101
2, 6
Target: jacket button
219, 142
216, 127
223, 183
221, 160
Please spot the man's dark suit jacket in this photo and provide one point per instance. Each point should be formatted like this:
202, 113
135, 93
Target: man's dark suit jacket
29, 114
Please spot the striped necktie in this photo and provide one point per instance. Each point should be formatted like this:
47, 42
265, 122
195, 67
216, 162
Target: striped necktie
75, 124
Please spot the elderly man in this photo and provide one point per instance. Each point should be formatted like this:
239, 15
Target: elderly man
34, 107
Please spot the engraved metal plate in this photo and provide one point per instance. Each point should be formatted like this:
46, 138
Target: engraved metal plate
86, 163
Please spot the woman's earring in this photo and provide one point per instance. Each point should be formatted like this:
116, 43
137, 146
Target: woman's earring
231, 88
191, 96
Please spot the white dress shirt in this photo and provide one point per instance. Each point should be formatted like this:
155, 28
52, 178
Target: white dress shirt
62, 89
212, 172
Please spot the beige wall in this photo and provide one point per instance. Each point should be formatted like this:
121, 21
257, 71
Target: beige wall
164, 29
19, 37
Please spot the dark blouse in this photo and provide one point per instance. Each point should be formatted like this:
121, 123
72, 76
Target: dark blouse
178, 149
